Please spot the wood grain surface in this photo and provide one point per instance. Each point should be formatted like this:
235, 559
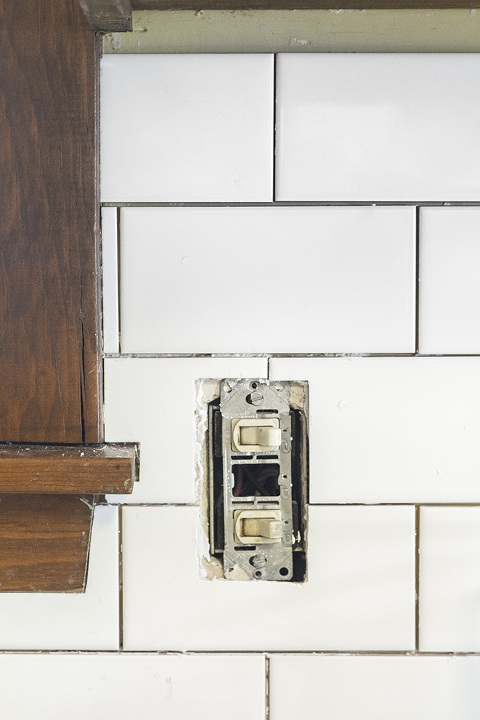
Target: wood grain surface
67, 469
44, 542
49, 312
50, 371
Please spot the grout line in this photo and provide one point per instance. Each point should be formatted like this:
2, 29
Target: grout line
274, 173
156, 504
120, 577
417, 278
294, 356
267, 687
301, 203
412, 503
304, 653
417, 578
396, 504
119, 305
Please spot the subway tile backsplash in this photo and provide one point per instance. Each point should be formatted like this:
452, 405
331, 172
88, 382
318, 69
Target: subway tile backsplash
391, 429
267, 279
359, 593
449, 580
195, 128
449, 301
370, 127
299, 217
374, 688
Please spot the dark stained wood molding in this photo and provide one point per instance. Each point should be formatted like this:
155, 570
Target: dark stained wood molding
50, 370
301, 4
44, 542
50, 324
108, 15
66, 469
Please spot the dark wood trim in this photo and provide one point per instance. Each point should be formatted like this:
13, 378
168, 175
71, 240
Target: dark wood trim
49, 305
300, 4
50, 330
108, 15
44, 542
66, 469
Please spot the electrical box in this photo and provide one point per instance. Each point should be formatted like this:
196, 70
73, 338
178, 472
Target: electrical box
257, 453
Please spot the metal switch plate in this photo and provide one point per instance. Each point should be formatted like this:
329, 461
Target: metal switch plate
257, 467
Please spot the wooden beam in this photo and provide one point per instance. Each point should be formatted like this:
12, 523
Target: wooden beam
50, 331
40, 469
301, 4
108, 15
44, 542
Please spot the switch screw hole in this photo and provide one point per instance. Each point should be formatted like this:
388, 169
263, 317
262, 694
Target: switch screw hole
283, 571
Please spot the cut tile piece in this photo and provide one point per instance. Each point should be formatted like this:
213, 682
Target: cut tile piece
187, 128
378, 127
359, 594
126, 686
391, 430
267, 279
374, 688
153, 401
83, 621
110, 299
450, 579
450, 280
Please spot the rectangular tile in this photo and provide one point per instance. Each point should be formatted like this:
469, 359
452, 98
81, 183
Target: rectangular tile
186, 128
125, 686
450, 579
267, 279
78, 621
359, 593
391, 430
110, 298
378, 127
374, 688
152, 401
449, 300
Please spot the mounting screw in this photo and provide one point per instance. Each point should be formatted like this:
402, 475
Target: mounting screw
258, 561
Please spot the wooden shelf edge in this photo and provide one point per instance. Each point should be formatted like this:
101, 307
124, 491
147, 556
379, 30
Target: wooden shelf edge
108, 468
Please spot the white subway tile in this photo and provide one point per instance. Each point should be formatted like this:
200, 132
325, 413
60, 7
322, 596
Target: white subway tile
450, 579
378, 126
391, 429
450, 280
152, 401
110, 299
186, 128
374, 688
263, 279
360, 592
70, 621
127, 686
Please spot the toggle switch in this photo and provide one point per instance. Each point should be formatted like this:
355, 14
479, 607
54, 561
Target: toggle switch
253, 435
258, 526
257, 466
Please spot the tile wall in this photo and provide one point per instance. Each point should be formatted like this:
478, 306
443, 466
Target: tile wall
309, 217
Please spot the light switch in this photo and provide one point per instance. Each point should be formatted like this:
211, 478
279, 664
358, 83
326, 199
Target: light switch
256, 445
